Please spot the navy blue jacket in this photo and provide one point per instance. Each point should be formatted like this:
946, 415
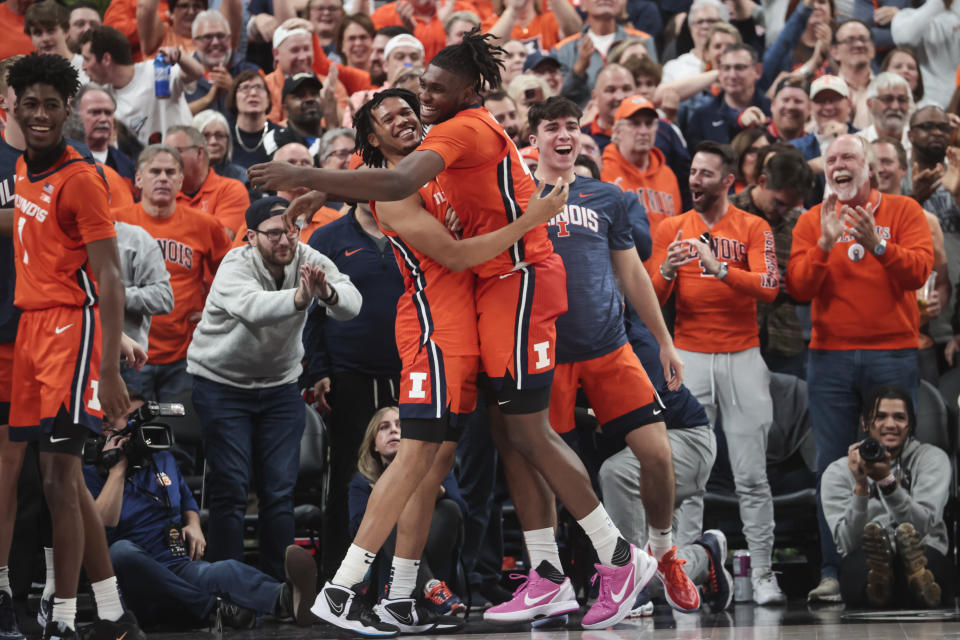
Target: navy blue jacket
715, 120
237, 64
367, 343
358, 495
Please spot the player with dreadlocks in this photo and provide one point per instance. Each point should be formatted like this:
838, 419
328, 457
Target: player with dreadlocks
68, 280
437, 340
518, 296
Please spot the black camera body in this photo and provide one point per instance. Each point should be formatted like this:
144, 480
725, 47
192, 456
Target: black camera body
145, 436
871, 450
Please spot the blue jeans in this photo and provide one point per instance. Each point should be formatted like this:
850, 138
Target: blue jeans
250, 435
838, 382
187, 591
159, 382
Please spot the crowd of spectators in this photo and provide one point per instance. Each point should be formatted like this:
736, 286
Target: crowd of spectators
179, 99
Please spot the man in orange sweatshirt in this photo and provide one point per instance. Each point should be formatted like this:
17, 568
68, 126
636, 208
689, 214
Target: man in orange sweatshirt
637, 164
859, 257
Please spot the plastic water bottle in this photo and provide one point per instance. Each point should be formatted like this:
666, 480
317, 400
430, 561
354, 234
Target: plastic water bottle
161, 76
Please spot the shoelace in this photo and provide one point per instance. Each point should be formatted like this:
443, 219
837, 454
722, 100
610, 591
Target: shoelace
604, 583
523, 585
440, 593
674, 565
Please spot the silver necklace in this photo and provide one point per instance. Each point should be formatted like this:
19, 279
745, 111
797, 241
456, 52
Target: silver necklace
236, 128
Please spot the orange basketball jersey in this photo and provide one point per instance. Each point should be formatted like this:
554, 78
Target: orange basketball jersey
56, 214
488, 184
437, 303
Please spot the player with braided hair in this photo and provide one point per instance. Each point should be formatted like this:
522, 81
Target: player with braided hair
68, 280
438, 344
518, 295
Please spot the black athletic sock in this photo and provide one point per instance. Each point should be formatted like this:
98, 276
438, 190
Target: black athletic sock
621, 555
550, 572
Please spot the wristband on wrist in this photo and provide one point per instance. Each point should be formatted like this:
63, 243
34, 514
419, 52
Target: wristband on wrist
889, 480
665, 276
328, 300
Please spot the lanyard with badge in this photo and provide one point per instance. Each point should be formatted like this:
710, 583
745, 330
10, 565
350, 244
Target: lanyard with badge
174, 533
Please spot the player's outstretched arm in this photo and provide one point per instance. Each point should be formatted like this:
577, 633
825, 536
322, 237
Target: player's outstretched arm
638, 288
428, 235
381, 185
105, 263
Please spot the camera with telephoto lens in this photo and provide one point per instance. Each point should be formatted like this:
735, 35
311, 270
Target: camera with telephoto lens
872, 451
145, 437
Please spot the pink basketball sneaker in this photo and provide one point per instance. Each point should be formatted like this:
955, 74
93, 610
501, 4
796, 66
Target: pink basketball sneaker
536, 598
619, 587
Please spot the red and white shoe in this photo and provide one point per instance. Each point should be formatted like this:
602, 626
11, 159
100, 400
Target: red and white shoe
535, 599
619, 587
678, 589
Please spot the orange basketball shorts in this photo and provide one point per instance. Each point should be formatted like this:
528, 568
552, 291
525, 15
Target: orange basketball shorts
56, 363
617, 387
516, 319
433, 384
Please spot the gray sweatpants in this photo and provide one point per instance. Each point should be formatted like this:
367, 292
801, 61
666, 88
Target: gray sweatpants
693, 451
738, 385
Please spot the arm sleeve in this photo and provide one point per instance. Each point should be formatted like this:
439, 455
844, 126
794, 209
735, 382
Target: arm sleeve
620, 236
845, 513
909, 25
661, 241
150, 293
923, 506
352, 79
237, 290
317, 358
909, 258
778, 57
187, 501
807, 266
762, 281
348, 297
458, 141
219, 245
232, 204
639, 223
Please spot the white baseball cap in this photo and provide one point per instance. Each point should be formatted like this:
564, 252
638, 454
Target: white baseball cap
281, 34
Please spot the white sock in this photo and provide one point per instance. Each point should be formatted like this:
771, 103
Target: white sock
660, 541
602, 533
5, 581
542, 545
107, 597
403, 578
49, 586
354, 567
65, 611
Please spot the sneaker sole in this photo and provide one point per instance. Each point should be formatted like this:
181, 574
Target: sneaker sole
724, 575
532, 614
321, 611
922, 583
879, 561
627, 605
301, 572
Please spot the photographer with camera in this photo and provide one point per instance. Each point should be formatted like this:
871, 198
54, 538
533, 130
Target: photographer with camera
890, 488
156, 543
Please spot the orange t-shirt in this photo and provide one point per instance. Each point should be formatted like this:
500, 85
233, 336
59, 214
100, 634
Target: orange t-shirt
715, 316
437, 303
430, 33
543, 32
487, 183
56, 215
226, 199
14, 41
192, 243
862, 301
121, 197
657, 186
122, 16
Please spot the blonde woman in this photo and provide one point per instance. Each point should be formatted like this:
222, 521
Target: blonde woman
378, 449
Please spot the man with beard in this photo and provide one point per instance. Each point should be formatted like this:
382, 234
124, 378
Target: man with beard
83, 17
858, 257
719, 260
221, 64
502, 107
245, 358
890, 102
301, 102
929, 136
